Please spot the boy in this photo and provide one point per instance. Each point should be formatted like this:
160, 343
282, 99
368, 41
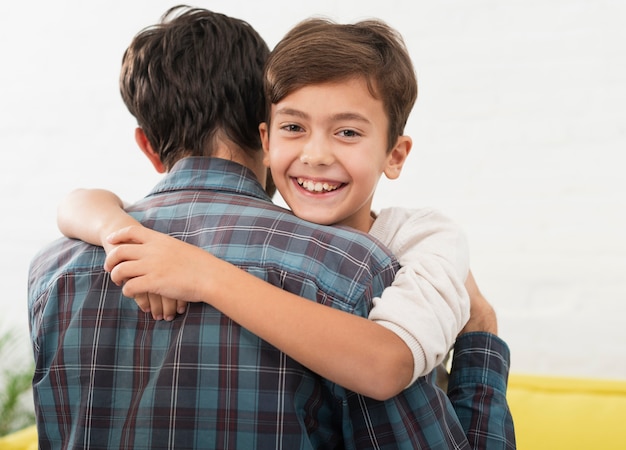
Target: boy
339, 97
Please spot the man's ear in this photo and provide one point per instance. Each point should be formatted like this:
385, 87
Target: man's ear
265, 142
146, 148
397, 157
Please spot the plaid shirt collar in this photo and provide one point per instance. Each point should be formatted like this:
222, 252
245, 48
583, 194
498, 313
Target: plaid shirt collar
216, 174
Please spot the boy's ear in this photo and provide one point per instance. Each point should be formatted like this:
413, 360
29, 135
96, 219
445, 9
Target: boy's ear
265, 142
146, 148
397, 156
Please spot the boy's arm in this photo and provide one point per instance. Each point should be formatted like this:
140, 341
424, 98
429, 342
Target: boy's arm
349, 350
478, 378
91, 215
427, 304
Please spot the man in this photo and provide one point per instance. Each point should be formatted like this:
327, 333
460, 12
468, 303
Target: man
109, 376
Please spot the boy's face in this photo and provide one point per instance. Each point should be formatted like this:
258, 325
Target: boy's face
327, 150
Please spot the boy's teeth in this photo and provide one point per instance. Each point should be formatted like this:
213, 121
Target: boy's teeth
314, 186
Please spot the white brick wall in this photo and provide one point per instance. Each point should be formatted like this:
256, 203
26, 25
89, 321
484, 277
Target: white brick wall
518, 134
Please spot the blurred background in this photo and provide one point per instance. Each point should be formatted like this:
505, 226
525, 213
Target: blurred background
518, 133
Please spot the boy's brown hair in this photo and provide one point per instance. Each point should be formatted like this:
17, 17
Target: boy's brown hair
194, 77
319, 50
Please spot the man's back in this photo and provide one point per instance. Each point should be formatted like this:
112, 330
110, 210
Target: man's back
109, 376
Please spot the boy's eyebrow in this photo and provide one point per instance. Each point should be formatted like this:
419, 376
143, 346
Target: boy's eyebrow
338, 116
350, 116
292, 112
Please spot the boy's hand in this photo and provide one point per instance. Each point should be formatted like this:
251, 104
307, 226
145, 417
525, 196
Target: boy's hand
160, 307
155, 269
482, 314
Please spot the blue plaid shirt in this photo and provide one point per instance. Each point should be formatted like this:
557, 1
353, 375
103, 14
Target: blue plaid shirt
109, 376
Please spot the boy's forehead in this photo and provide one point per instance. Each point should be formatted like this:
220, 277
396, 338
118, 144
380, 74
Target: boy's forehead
358, 84
344, 99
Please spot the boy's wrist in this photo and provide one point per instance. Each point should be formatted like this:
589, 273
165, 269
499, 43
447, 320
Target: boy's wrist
110, 226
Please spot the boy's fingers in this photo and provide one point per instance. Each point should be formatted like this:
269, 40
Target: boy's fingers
156, 306
169, 308
130, 234
143, 302
181, 307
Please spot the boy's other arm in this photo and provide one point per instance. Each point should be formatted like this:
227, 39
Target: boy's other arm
482, 315
91, 215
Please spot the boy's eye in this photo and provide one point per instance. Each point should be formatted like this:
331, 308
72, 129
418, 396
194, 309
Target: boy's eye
348, 133
291, 127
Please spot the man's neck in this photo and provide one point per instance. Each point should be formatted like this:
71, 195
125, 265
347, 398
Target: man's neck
226, 149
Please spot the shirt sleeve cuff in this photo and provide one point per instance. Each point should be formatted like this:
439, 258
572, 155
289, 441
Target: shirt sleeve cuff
480, 358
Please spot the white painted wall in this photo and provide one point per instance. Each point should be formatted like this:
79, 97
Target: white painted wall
518, 130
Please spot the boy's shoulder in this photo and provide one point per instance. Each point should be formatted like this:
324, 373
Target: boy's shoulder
407, 216
410, 224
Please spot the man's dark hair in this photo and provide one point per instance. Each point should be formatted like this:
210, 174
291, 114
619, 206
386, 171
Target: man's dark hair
193, 78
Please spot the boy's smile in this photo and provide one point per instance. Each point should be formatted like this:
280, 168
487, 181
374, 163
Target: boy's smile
326, 148
317, 186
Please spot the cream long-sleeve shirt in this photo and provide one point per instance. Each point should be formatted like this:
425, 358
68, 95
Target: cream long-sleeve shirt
427, 304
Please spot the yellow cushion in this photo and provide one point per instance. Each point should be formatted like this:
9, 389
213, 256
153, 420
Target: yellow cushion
556, 413
25, 439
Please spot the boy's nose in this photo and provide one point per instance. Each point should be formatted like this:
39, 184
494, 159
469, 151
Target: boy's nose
316, 154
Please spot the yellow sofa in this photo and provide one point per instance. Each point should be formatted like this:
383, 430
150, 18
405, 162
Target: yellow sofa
550, 413
25, 439
555, 413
